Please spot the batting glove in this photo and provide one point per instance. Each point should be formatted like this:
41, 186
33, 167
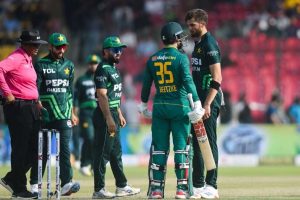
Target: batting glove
143, 109
197, 114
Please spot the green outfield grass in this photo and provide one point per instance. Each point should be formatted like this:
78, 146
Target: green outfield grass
265, 182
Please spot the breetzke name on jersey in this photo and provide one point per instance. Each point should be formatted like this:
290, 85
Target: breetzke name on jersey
57, 85
165, 89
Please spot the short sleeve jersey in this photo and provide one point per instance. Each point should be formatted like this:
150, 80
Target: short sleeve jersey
169, 69
108, 77
55, 82
84, 91
206, 53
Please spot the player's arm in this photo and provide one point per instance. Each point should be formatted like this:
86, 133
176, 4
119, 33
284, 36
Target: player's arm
104, 106
214, 60
121, 118
215, 71
146, 89
74, 117
147, 83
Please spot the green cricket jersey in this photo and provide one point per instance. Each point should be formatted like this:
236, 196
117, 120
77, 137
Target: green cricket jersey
54, 81
108, 77
205, 53
84, 91
169, 69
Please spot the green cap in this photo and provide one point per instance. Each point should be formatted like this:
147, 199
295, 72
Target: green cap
93, 58
112, 41
58, 39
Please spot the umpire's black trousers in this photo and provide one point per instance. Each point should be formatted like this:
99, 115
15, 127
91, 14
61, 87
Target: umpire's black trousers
23, 121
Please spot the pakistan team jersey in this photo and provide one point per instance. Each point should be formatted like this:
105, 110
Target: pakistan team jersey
169, 69
84, 92
108, 77
205, 53
54, 81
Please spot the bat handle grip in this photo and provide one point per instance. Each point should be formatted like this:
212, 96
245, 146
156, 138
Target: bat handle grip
190, 98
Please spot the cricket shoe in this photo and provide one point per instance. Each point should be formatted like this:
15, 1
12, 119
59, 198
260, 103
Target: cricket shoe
24, 195
209, 192
127, 191
69, 188
197, 193
181, 194
34, 189
156, 194
103, 194
6, 185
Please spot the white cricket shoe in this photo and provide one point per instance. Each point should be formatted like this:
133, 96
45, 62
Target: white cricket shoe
197, 193
34, 189
127, 191
69, 188
86, 171
103, 194
209, 192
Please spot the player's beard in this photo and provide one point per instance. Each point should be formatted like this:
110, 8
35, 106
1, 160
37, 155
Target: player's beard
57, 55
112, 59
196, 33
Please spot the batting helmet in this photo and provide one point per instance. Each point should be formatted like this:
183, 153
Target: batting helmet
170, 32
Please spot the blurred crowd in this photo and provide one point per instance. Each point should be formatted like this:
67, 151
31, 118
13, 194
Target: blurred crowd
236, 24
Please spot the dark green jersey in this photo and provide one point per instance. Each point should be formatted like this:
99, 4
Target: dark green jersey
84, 91
206, 53
54, 81
108, 77
169, 69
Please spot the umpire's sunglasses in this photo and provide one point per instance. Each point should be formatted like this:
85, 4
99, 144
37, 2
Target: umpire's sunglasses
116, 50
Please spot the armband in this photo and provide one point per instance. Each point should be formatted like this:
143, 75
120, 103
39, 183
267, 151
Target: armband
215, 85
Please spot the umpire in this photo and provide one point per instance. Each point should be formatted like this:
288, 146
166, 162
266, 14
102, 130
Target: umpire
21, 111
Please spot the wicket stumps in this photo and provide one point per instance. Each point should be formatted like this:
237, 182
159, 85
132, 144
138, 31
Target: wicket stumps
40, 163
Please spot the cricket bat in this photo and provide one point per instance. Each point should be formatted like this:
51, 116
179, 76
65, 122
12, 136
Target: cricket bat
203, 142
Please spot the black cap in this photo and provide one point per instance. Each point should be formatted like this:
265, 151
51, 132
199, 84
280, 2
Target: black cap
31, 37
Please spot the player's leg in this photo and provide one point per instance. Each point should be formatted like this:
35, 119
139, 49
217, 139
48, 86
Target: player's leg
159, 156
101, 156
210, 190
87, 133
181, 141
66, 172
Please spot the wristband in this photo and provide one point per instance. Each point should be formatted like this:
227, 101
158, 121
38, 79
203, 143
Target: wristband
215, 85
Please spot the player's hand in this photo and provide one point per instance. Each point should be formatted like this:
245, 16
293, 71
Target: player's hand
196, 115
111, 126
74, 120
207, 112
143, 109
122, 121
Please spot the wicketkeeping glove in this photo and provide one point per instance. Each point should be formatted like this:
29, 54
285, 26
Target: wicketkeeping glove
196, 114
143, 109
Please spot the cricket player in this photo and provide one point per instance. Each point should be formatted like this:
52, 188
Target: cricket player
169, 70
108, 119
206, 71
55, 75
85, 104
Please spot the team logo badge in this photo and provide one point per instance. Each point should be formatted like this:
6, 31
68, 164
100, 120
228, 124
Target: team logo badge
67, 71
199, 51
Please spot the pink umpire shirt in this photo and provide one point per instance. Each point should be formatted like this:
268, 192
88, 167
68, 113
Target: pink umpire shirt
18, 77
